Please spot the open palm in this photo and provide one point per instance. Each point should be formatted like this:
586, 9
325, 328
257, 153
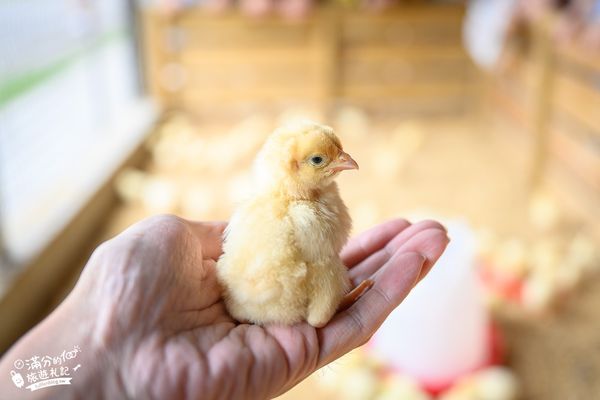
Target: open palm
174, 338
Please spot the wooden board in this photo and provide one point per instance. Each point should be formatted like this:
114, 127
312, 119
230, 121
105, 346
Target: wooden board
415, 51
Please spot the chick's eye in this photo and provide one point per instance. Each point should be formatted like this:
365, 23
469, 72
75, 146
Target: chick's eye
316, 160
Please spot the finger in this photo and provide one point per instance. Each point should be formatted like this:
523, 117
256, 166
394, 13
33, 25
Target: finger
393, 282
407, 234
430, 243
372, 263
370, 241
210, 235
427, 242
353, 327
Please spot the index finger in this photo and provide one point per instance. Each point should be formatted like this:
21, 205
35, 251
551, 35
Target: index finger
363, 245
354, 326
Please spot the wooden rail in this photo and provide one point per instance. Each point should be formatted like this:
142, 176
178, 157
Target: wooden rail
198, 61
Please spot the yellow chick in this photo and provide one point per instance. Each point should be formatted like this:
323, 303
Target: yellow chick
280, 261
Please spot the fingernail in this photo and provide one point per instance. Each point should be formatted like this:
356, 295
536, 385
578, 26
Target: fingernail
420, 275
420, 256
422, 259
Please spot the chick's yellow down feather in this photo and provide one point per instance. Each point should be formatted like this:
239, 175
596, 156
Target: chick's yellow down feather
280, 261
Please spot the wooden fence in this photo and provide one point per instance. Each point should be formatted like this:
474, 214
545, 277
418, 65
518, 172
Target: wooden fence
409, 59
552, 90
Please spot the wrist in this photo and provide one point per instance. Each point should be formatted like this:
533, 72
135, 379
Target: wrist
60, 358
101, 350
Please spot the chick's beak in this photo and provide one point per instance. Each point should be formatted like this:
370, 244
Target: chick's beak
343, 162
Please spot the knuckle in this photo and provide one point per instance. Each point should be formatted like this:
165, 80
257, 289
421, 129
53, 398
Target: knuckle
385, 298
164, 220
167, 217
358, 325
167, 227
102, 251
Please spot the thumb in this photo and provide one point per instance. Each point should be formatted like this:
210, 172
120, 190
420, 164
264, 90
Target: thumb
355, 326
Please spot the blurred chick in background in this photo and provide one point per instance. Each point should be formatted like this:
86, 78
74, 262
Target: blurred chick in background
280, 262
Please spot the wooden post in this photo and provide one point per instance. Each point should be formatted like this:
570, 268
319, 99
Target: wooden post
543, 70
326, 43
153, 50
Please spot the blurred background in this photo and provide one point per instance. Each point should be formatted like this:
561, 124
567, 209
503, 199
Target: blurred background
484, 114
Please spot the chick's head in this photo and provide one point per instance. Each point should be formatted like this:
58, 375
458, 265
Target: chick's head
302, 157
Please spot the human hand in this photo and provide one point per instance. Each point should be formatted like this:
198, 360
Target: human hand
157, 326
